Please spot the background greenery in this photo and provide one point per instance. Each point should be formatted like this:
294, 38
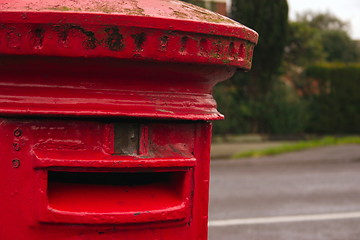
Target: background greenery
305, 76
336, 106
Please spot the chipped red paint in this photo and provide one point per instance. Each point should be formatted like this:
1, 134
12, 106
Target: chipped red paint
37, 205
71, 73
57, 46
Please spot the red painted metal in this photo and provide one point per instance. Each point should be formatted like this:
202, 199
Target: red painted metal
66, 39
71, 71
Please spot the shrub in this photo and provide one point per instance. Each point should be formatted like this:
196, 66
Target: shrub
335, 108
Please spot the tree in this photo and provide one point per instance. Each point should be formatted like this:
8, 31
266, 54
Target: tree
322, 21
270, 20
339, 47
304, 45
316, 37
249, 92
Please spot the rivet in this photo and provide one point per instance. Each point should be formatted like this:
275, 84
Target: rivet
17, 132
16, 163
16, 146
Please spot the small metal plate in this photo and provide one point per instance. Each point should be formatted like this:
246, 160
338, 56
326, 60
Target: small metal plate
126, 138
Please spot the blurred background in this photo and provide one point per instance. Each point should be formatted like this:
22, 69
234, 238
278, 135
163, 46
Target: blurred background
286, 159
305, 74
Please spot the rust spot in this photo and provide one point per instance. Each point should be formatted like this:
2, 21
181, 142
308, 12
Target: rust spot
170, 32
13, 37
226, 61
24, 16
139, 40
179, 14
215, 55
38, 37
231, 50
137, 56
135, 11
249, 48
115, 39
64, 9
164, 42
242, 51
184, 41
218, 48
64, 30
204, 46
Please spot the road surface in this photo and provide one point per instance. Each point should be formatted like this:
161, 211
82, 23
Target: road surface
308, 195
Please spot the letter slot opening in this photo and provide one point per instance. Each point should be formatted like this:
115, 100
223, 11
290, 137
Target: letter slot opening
117, 192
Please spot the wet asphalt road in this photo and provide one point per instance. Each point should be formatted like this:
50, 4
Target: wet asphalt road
312, 182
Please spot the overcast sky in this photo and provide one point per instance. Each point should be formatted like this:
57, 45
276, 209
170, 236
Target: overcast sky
346, 10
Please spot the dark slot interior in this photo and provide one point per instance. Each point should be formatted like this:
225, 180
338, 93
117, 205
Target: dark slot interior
106, 178
115, 192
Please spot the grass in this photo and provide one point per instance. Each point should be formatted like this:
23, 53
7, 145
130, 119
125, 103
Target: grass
302, 145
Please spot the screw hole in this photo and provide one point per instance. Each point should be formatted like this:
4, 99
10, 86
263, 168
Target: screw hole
16, 146
17, 132
16, 163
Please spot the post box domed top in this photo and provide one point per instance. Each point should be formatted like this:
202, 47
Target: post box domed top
160, 30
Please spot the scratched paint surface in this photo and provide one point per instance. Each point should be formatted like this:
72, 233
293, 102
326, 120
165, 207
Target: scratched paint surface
160, 9
70, 71
107, 87
104, 58
161, 30
68, 184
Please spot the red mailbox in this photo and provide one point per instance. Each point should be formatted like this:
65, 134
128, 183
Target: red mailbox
105, 108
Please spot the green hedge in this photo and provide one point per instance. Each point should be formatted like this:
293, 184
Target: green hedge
335, 105
282, 111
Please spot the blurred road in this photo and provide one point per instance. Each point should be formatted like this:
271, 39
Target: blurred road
308, 195
226, 150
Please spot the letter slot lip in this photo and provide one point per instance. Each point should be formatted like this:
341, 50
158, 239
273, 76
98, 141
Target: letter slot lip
48, 159
161, 195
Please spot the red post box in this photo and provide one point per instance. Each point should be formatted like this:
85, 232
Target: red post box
105, 108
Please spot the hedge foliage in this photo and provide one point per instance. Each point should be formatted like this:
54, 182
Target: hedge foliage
335, 108
330, 106
282, 111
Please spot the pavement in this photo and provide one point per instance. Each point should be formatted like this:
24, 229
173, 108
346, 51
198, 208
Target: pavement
308, 195
227, 150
